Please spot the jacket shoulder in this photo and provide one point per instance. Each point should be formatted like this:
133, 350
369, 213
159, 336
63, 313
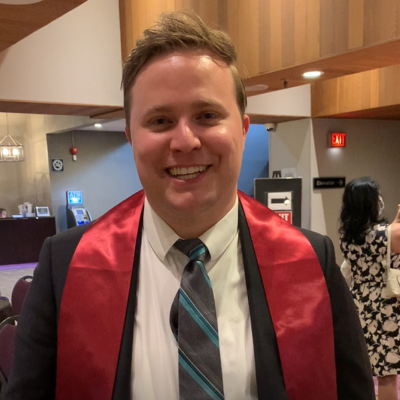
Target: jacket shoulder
322, 246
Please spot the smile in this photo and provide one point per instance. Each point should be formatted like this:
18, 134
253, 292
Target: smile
186, 173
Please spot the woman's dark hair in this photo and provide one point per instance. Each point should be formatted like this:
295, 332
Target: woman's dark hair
360, 209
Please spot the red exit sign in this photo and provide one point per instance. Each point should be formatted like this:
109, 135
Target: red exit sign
286, 215
338, 139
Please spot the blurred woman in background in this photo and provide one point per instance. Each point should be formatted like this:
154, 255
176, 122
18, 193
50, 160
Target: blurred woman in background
363, 242
3, 213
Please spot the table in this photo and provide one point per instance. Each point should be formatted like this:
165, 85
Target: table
22, 238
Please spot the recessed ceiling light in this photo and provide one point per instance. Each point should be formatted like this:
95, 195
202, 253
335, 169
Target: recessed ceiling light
312, 74
19, 2
256, 88
98, 126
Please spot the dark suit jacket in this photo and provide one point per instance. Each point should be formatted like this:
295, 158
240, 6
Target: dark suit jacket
34, 372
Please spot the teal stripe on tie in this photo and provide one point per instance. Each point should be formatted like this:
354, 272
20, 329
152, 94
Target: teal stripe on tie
203, 270
198, 317
197, 376
197, 252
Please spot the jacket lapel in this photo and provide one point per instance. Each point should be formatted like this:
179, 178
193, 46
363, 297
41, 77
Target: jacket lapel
122, 387
93, 312
298, 302
269, 376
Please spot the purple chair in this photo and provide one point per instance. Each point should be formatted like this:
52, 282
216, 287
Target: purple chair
18, 294
5, 308
7, 337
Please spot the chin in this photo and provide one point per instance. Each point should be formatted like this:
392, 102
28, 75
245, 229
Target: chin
189, 203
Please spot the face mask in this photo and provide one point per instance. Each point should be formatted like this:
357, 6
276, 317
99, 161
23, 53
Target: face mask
382, 207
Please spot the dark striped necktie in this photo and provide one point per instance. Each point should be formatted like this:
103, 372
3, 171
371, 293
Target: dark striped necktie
194, 323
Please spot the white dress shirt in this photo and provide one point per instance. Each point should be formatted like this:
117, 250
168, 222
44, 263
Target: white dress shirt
155, 350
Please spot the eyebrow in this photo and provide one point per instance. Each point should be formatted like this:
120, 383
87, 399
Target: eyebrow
198, 104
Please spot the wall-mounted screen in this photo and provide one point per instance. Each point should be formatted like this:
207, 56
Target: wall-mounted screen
74, 197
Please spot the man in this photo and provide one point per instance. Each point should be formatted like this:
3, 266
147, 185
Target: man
100, 321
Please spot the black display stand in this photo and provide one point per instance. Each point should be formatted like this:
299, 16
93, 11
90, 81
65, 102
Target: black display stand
272, 192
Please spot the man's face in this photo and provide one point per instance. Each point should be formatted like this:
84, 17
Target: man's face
187, 135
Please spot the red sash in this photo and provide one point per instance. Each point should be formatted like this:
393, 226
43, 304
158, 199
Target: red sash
96, 292
93, 304
298, 301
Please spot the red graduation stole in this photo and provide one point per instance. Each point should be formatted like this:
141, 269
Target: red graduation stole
95, 297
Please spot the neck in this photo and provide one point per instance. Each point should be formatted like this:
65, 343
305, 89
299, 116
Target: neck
193, 225
190, 228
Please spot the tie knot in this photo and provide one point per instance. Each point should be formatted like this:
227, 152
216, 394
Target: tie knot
195, 249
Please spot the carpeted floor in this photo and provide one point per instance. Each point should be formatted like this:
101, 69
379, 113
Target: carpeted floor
9, 275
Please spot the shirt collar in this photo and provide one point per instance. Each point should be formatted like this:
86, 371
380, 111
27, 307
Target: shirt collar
161, 237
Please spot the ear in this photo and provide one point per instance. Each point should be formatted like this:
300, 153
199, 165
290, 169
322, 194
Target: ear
246, 125
128, 135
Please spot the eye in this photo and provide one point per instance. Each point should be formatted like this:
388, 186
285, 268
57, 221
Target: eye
209, 117
159, 123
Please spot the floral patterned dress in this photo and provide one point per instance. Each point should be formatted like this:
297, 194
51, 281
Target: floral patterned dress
380, 317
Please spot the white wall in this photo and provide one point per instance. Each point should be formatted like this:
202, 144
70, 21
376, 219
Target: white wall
294, 101
75, 59
372, 149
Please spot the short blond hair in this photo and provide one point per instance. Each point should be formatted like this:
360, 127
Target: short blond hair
180, 30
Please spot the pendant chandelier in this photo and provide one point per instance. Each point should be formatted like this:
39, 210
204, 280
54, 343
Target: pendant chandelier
11, 149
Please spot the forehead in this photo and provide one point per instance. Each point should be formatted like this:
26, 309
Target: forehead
181, 78
195, 66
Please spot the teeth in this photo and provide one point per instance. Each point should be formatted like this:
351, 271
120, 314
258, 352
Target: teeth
187, 173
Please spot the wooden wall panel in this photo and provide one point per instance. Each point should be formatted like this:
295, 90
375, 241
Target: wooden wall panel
334, 27
389, 85
397, 22
208, 11
354, 92
387, 20
275, 44
355, 22
300, 31
233, 27
137, 15
381, 21
313, 29
264, 36
287, 17
341, 32
248, 44
223, 14
272, 35
375, 89
370, 26
328, 27
324, 98
243, 28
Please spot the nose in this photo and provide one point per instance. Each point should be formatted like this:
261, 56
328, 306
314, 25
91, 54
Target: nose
184, 138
